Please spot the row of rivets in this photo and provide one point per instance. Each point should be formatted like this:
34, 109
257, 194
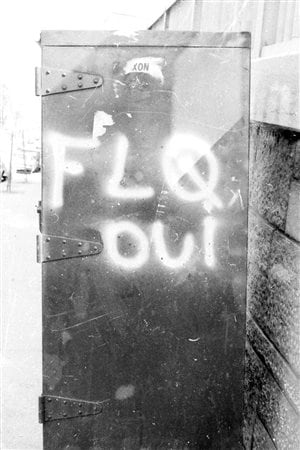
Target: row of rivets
48, 257
48, 73
64, 87
49, 417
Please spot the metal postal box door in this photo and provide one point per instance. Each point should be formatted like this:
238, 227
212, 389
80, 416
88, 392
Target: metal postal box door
143, 239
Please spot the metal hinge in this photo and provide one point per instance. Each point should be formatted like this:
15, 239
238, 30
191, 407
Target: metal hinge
53, 248
59, 408
50, 81
39, 211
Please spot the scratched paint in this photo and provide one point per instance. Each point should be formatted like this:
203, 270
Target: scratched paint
153, 323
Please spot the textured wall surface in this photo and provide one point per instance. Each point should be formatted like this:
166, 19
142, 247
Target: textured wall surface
272, 394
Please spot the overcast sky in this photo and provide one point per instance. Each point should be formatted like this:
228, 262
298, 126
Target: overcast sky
22, 20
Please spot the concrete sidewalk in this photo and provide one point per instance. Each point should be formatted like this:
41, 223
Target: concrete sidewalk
21, 317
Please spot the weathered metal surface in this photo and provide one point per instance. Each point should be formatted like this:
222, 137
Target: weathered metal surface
156, 162
165, 39
59, 408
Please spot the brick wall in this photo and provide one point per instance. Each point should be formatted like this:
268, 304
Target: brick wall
272, 403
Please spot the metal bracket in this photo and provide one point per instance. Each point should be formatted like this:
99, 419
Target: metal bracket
53, 81
59, 408
53, 248
39, 212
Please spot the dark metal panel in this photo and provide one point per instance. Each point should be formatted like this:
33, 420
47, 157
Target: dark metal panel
155, 161
145, 39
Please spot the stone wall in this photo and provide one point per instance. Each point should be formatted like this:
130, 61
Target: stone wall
272, 391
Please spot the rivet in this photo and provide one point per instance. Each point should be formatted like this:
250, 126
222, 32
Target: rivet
49, 400
63, 75
65, 402
49, 417
48, 257
80, 405
65, 414
96, 80
64, 241
64, 87
80, 85
47, 72
79, 412
47, 91
63, 253
79, 77
95, 248
79, 244
79, 252
48, 239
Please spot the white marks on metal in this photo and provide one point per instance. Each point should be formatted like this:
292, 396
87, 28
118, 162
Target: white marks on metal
126, 244
126, 33
74, 168
236, 196
124, 392
114, 233
101, 121
182, 153
149, 64
210, 224
57, 144
58, 153
114, 187
161, 248
128, 247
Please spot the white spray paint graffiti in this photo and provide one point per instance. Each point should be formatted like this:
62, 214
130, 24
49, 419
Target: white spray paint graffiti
57, 144
101, 120
74, 168
114, 188
161, 248
114, 232
183, 151
180, 158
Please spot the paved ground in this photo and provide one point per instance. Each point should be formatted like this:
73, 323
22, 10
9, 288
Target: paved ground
21, 316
